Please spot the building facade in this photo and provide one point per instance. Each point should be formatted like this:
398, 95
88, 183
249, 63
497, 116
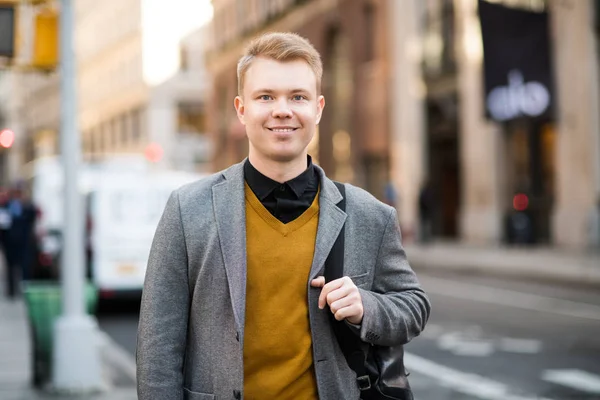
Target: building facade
405, 105
128, 103
556, 164
177, 110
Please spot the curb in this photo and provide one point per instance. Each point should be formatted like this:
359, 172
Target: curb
553, 266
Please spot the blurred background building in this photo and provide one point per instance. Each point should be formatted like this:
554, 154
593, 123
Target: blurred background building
406, 106
141, 83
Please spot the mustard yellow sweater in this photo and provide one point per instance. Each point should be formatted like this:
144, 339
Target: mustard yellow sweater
278, 362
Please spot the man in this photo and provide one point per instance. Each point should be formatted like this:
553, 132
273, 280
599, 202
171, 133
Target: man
234, 303
19, 239
5, 224
426, 212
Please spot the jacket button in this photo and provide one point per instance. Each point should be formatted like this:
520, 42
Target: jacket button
237, 395
237, 336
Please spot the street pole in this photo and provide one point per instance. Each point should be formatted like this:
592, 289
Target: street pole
76, 363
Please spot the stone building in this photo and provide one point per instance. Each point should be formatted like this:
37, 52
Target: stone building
405, 104
140, 81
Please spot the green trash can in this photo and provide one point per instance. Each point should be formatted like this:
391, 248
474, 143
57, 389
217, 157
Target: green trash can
44, 305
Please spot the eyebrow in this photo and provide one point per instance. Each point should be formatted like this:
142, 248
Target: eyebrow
270, 91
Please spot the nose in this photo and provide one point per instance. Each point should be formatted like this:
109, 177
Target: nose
281, 109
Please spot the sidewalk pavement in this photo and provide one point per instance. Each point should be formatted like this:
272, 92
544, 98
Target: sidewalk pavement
536, 263
16, 358
118, 368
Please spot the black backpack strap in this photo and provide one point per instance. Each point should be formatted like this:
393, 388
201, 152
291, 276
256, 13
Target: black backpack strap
351, 345
334, 265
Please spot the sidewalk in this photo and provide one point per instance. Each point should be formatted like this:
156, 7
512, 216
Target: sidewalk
16, 357
547, 264
15, 362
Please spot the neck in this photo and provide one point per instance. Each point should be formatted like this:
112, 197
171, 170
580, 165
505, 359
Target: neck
279, 171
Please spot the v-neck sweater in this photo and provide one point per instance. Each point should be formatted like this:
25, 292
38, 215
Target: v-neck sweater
278, 362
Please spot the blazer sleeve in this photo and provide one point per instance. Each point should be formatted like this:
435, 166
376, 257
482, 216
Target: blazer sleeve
162, 331
396, 308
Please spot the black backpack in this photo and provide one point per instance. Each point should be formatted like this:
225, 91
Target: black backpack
380, 372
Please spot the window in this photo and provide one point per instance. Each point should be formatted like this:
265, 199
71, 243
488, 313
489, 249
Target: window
85, 141
105, 138
116, 134
438, 45
191, 118
369, 13
124, 130
92, 141
136, 125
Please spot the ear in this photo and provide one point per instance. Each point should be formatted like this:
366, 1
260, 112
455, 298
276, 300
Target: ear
320, 107
238, 103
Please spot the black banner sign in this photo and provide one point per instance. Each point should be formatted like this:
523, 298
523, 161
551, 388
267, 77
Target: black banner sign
517, 63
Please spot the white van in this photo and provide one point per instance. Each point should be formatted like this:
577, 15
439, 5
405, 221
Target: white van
124, 211
124, 200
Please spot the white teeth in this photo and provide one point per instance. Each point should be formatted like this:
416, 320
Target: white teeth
282, 130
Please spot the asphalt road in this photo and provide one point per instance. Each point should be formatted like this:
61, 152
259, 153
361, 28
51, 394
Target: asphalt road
487, 339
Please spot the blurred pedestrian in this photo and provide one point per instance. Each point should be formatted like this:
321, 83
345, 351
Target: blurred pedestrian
390, 195
5, 223
18, 242
235, 303
426, 212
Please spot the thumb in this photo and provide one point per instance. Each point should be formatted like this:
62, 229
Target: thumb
318, 282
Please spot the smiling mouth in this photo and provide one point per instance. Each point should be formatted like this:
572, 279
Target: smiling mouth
282, 130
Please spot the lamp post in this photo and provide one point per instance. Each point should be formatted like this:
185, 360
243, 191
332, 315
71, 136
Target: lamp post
76, 362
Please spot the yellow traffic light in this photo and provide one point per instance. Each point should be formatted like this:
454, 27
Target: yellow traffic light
45, 42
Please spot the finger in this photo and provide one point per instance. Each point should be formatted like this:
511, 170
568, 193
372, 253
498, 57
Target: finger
344, 290
329, 287
318, 282
346, 301
352, 312
340, 293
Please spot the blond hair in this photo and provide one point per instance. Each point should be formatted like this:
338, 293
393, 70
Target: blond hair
280, 46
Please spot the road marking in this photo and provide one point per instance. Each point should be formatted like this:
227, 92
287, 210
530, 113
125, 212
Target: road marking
117, 355
460, 344
526, 301
462, 382
573, 378
520, 346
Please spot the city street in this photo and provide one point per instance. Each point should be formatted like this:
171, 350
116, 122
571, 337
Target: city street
487, 339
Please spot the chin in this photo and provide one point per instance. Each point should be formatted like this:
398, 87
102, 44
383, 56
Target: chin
284, 156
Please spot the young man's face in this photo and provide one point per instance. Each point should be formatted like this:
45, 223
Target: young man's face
280, 108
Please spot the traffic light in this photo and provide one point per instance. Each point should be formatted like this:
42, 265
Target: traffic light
45, 42
45, 51
7, 138
7, 30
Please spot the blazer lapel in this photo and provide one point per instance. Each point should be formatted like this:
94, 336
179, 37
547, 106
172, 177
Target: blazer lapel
331, 220
230, 214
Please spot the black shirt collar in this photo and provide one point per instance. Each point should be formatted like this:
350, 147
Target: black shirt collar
262, 185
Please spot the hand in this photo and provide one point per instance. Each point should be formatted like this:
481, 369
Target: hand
343, 298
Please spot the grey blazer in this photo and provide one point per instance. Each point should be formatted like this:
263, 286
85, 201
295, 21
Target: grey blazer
191, 329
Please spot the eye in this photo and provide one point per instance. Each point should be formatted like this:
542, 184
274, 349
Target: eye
265, 97
298, 97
